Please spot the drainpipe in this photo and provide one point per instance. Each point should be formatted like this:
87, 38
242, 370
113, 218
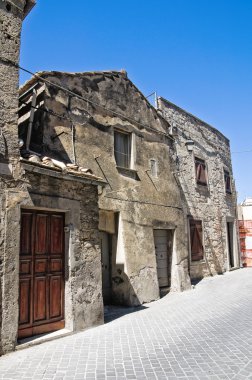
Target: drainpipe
73, 143
28, 137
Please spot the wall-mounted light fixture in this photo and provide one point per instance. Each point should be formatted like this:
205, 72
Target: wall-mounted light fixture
189, 144
20, 143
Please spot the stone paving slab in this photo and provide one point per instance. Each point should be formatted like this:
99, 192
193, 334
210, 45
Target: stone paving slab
204, 333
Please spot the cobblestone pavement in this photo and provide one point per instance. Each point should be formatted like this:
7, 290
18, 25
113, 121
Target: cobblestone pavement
204, 333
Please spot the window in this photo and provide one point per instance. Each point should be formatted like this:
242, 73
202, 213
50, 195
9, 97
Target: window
122, 149
196, 240
227, 181
153, 167
201, 172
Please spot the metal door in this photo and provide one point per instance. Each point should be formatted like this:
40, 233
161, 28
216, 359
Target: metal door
163, 250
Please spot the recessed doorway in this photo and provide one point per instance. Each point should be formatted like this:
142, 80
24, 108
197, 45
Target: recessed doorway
163, 240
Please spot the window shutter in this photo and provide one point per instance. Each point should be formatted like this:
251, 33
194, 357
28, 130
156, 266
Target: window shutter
196, 240
202, 173
200, 168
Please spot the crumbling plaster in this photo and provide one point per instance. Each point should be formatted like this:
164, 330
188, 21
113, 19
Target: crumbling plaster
111, 101
83, 292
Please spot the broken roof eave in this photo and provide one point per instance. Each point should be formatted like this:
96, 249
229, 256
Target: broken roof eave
40, 76
28, 7
34, 167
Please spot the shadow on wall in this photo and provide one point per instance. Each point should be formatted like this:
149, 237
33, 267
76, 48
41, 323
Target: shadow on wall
122, 293
50, 135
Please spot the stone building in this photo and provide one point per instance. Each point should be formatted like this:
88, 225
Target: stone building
204, 171
101, 120
50, 259
104, 199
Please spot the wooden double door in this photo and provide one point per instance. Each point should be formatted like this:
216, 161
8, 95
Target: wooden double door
41, 273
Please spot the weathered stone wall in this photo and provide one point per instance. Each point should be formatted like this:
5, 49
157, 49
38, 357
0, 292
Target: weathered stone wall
10, 28
11, 16
83, 292
210, 203
144, 202
20, 188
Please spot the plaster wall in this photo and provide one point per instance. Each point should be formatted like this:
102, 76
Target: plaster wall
246, 212
143, 201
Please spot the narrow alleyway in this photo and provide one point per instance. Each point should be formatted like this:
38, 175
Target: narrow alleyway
204, 333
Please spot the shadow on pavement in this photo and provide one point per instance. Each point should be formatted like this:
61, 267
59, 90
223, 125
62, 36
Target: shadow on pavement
112, 312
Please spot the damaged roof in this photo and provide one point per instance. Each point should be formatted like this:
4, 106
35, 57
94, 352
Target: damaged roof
28, 6
41, 75
68, 171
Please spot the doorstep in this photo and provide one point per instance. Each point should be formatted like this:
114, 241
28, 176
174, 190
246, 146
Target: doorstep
38, 339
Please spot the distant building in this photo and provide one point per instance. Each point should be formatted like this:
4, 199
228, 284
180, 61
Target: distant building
245, 230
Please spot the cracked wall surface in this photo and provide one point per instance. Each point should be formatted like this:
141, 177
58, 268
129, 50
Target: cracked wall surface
10, 172
20, 188
105, 102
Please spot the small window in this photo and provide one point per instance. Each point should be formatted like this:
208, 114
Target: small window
122, 149
153, 167
227, 181
201, 172
196, 239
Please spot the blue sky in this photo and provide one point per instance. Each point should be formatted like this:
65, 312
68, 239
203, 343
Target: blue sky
195, 53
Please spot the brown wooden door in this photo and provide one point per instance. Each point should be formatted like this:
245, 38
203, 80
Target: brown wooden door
41, 275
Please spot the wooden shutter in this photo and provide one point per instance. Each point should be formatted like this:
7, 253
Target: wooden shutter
200, 168
196, 240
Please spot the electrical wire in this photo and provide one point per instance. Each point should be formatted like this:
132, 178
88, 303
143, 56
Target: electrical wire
243, 151
46, 111
88, 101
70, 92
145, 202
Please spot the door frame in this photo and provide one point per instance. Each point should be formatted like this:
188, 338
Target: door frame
235, 244
109, 245
170, 262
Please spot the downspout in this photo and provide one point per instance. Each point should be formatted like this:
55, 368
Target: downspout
73, 143
29, 132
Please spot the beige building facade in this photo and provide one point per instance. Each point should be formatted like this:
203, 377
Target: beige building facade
107, 124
